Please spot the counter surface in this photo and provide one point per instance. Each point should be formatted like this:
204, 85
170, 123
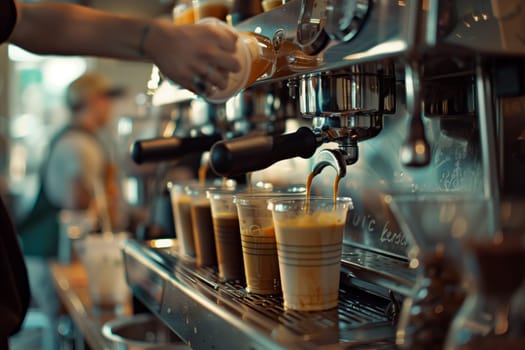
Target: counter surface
72, 286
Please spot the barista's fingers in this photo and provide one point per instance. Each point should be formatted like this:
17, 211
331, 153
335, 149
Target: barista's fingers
214, 77
194, 81
223, 37
230, 63
219, 57
227, 41
199, 85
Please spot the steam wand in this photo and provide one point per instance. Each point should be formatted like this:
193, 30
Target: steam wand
330, 157
415, 151
339, 159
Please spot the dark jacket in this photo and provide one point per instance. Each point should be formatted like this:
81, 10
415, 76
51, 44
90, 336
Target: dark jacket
14, 285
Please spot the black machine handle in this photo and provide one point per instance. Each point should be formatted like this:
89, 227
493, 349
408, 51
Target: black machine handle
170, 148
249, 153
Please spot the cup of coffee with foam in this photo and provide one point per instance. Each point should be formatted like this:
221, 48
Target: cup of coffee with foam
259, 248
309, 236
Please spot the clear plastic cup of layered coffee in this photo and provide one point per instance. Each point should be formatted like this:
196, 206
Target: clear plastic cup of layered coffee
227, 234
201, 220
309, 238
180, 202
259, 248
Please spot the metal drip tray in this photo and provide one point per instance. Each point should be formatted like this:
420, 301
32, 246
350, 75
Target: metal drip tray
208, 313
385, 271
356, 308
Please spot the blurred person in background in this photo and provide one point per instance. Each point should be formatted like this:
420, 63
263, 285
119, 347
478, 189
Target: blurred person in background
79, 174
198, 57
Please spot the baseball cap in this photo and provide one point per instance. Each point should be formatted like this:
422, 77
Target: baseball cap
88, 85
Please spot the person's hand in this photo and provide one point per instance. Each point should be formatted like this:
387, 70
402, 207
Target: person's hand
198, 57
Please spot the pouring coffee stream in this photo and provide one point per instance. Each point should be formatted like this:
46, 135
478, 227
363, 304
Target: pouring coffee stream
331, 158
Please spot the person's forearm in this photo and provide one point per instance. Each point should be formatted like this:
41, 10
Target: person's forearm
74, 30
186, 54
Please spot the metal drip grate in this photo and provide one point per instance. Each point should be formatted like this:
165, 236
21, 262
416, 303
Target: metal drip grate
356, 308
389, 272
183, 295
353, 312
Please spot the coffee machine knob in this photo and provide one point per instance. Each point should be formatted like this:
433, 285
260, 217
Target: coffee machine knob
345, 18
311, 36
249, 153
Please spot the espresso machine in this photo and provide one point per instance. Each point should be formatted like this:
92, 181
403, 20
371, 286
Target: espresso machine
191, 126
414, 98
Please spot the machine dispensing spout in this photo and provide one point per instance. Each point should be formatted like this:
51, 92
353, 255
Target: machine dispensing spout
334, 158
349, 148
415, 151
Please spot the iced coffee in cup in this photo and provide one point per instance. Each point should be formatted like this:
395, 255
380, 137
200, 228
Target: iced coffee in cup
227, 234
256, 55
182, 215
259, 248
202, 223
309, 235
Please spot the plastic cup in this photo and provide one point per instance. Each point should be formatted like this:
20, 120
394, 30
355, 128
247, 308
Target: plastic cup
227, 234
256, 55
309, 239
183, 225
200, 209
259, 248
202, 223
73, 225
103, 261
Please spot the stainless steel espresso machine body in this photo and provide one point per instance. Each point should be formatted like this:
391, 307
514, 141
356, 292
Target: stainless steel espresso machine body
404, 97
190, 126
411, 87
